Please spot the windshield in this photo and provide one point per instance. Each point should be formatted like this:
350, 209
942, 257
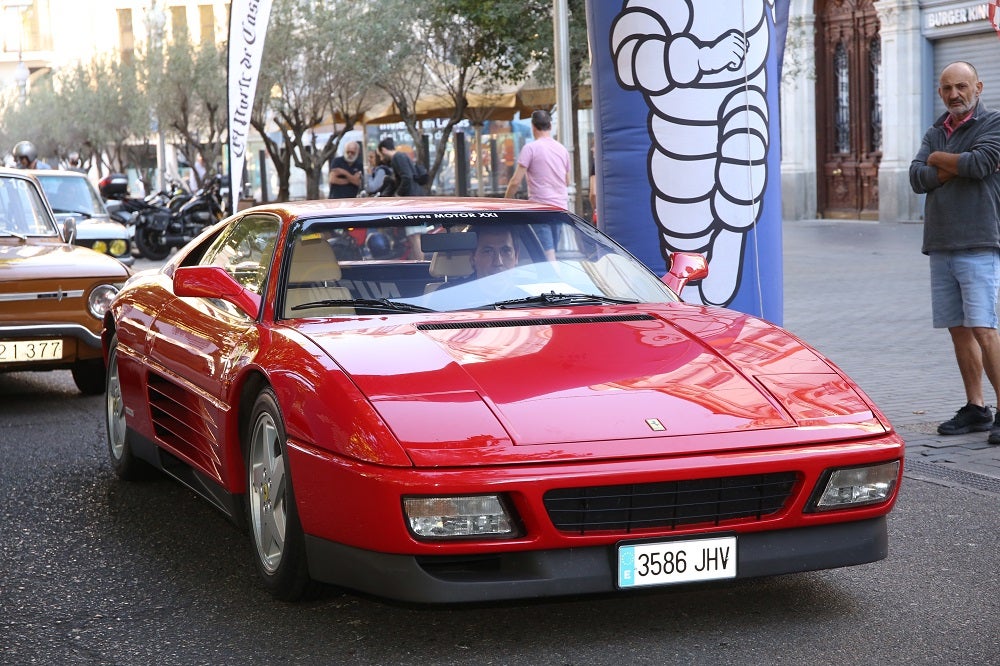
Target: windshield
22, 210
458, 261
71, 194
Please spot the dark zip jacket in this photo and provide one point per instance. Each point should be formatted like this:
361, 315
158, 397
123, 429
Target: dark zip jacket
964, 212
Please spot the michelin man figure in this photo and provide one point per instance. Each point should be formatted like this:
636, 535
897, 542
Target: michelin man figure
701, 67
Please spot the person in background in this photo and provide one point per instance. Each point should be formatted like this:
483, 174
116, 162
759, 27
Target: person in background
545, 164
197, 175
346, 172
592, 189
406, 186
402, 169
958, 168
380, 182
26, 156
74, 163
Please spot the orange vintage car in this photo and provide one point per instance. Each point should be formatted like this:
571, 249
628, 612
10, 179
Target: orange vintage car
53, 294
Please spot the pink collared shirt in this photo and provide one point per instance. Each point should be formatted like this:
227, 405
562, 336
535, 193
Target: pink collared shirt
950, 127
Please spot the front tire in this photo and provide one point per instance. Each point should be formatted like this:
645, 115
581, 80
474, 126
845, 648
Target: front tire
89, 376
278, 541
148, 243
124, 463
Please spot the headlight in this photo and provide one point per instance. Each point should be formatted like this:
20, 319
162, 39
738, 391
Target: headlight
856, 486
100, 299
119, 247
100, 246
458, 517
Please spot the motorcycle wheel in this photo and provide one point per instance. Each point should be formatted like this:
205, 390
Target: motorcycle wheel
147, 241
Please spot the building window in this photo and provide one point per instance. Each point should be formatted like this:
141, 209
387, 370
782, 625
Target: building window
875, 65
126, 37
841, 75
179, 23
206, 15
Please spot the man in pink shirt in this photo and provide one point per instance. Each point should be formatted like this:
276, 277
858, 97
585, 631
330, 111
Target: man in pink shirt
546, 164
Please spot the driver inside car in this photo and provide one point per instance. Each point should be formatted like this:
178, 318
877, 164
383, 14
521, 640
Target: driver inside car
495, 251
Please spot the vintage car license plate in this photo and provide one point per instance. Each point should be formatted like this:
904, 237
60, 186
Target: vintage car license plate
668, 562
31, 350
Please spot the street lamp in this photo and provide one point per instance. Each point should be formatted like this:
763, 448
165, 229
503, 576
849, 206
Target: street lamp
156, 19
21, 73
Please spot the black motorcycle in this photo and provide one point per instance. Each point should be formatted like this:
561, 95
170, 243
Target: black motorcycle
159, 228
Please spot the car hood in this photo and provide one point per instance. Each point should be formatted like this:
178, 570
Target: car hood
513, 386
52, 259
96, 228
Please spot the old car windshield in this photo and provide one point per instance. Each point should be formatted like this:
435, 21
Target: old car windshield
458, 261
22, 210
72, 194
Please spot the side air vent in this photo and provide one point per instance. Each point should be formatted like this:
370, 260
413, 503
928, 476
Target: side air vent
542, 321
178, 417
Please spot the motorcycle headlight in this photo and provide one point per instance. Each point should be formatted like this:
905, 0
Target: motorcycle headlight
100, 299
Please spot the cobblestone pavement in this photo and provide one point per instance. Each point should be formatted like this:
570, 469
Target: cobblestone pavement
859, 292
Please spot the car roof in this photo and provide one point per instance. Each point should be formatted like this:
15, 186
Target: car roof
56, 172
399, 205
23, 174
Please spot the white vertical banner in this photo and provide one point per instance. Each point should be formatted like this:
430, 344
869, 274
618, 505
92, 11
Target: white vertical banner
247, 29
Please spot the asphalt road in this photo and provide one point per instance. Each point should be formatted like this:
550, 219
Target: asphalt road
97, 571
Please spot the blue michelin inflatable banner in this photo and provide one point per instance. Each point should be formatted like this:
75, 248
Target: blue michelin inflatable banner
687, 139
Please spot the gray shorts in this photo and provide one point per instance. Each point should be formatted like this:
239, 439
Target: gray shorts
964, 288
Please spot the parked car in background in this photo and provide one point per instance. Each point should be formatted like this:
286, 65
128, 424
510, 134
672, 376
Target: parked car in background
483, 422
71, 194
53, 294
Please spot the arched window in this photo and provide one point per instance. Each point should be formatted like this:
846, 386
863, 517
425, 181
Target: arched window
841, 74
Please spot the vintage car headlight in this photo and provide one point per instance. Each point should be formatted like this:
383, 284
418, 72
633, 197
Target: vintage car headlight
100, 246
856, 486
458, 517
100, 299
119, 247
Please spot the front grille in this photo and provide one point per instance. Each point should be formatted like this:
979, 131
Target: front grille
670, 504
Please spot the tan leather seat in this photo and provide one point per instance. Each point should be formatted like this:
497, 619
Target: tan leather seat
313, 277
449, 265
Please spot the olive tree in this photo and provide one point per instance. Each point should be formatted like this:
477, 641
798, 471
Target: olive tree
187, 83
315, 72
452, 48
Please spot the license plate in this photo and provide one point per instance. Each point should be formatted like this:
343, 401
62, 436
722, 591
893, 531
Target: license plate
31, 350
669, 562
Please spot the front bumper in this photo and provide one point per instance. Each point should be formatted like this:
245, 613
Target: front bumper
30, 331
79, 344
573, 571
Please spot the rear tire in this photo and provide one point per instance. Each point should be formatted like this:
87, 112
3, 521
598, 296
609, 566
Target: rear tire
147, 242
275, 530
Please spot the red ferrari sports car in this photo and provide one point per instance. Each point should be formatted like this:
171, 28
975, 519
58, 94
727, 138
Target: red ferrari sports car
412, 398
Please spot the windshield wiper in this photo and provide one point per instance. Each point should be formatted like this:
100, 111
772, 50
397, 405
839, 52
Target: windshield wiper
552, 298
374, 304
14, 234
66, 211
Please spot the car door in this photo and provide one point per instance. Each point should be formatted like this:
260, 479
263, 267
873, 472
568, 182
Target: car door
200, 344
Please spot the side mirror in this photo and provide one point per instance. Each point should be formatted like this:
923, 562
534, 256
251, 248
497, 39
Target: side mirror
69, 230
215, 282
685, 267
